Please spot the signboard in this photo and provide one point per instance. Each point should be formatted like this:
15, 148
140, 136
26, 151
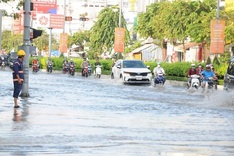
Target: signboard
119, 39
217, 36
56, 21
50, 21
63, 42
229, 5
45, 6
43, 20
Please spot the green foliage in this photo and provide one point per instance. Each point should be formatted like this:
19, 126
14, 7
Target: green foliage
208, 61
11, 41
216, 61
103, 31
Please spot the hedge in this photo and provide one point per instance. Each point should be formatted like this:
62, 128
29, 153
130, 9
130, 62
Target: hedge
176, 71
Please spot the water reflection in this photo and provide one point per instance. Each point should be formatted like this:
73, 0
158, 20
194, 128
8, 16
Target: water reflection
20, 117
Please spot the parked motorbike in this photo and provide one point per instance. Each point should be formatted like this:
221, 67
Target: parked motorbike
195, 82
159, 80
85, 72
98, 71
35, 68
49, 68
72, 70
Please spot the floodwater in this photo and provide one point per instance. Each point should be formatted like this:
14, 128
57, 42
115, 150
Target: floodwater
67, 115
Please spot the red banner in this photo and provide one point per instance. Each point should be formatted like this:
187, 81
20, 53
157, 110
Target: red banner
119, 39
217, 37
63, 42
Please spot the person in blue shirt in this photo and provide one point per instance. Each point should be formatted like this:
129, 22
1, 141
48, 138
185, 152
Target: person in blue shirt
18, 76
206, 74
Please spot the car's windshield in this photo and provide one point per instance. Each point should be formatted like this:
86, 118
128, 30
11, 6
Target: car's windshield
133, 64
230, 69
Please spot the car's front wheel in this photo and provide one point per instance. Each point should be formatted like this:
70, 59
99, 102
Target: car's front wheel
112, 76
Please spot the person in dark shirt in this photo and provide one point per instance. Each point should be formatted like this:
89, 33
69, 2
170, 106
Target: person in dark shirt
18, 76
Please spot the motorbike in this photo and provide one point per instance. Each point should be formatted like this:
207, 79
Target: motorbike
35, 68
89, 70
159, 80
209, 85
3, 65
72, 70
65, 68
195, 83
98, 71
49, 68
85, 72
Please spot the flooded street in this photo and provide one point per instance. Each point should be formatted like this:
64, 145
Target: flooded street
67, 115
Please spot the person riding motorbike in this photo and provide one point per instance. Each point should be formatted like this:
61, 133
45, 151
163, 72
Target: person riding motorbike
71, 65
199, 69
84, 65
97, 63
48, 63
191, 71
35, 64
216, 74
206, 74
159, 71
65, 65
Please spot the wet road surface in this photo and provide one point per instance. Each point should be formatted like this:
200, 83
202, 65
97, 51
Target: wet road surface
67, 115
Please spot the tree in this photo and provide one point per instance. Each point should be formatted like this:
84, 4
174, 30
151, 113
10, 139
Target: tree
11, 41
79, 38
42, 42
102, 32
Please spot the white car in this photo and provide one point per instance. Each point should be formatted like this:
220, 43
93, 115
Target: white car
131, 71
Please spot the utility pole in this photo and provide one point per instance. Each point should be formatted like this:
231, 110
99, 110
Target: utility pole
1, 29
26, 47
50, 41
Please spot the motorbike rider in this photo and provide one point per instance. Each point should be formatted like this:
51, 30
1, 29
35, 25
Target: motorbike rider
216, 74
65, 64
84, 65
206, 74
97, 63
199, 69
192, 71
35, 63
49, 62
158, 70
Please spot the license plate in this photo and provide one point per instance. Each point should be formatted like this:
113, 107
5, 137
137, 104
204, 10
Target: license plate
138, 78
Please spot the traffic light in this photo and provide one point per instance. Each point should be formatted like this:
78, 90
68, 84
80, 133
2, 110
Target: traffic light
68, 18
35, 33
84, 19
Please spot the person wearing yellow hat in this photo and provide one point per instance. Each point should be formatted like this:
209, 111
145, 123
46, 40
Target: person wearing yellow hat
18, 76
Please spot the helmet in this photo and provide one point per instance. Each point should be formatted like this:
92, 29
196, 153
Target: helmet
21, 53
158, 63
207, 66
192, 65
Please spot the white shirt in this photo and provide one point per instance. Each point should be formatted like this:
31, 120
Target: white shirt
159, 70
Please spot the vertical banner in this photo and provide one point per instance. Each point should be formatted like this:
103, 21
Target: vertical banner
229, 5
217, 36
119, 40
63, 42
